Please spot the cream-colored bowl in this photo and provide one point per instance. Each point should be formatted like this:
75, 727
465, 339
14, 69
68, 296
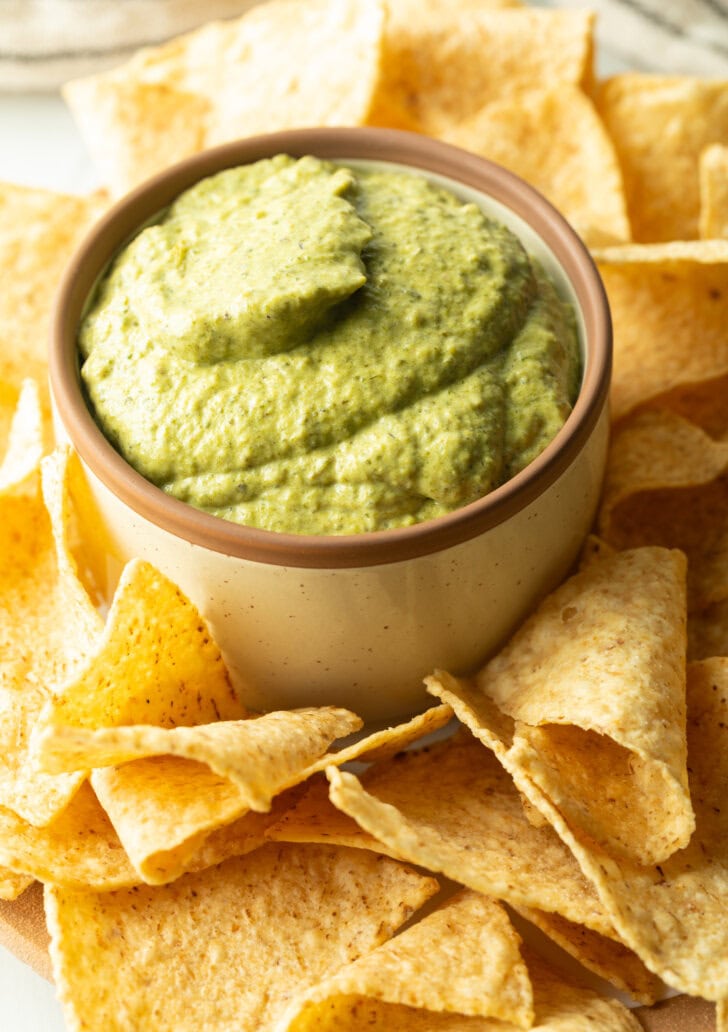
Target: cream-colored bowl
356, 620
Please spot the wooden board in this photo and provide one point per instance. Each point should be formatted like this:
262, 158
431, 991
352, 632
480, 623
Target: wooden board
23, 932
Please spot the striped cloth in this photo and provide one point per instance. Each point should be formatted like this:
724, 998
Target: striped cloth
45, 42
675, 37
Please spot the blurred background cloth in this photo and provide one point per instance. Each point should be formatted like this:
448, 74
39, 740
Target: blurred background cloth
45, 42
678, 37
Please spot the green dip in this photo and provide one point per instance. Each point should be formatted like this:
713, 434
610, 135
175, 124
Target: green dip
302, 347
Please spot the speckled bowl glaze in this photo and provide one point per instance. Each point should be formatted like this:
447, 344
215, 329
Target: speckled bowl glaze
356, 620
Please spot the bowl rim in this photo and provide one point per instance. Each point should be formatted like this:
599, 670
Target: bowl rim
125, 217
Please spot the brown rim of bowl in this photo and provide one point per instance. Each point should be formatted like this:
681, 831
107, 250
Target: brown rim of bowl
329, 551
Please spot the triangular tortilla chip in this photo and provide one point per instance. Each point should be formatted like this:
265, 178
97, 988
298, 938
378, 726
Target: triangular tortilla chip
39, 230
594, 684
232, 79
568, 150
441, 68
668, 310
155, 664
274, 922
660, 125
452, 809
164, 807
48, 627
13, 885
672, 914
666, 485
481, 973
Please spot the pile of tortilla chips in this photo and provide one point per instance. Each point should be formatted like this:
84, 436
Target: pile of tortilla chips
208, 867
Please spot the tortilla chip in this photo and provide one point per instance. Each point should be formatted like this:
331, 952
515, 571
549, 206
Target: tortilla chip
668, 311
672, 914
714, 191
232, 79
666, 485
594, 685
24, 442
560, 1006
703, 403
721, 1016
660, 125
79, 848
441, 69
134, 129
39, 230
155, 664
606, 956
554, 139
227, 947
257, 755
48, 627
452, 809
164, 806
13, 885
480, 972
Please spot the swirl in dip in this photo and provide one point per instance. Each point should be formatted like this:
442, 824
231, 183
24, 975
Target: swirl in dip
303, 347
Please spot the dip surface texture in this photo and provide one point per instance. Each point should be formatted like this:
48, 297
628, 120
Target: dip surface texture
306, 348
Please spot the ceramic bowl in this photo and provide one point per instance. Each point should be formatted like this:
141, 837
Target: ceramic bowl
356, 620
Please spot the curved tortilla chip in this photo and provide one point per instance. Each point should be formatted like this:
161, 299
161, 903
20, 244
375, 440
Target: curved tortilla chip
48, 627
155, 664
481, 972
453, 809
594, 686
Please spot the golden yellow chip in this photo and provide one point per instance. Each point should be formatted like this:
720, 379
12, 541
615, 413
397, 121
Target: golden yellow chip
48, 627
78, 848
228, 947
13, 885
606, 956
668, 310
714, 191
232, 79
155, 664
24, 441
665, 485
660, 126
674, 915
588, 701
702, 403
454, 810
442, 69
39, 230
479, 973
554, 139
192, 781
560, 1005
